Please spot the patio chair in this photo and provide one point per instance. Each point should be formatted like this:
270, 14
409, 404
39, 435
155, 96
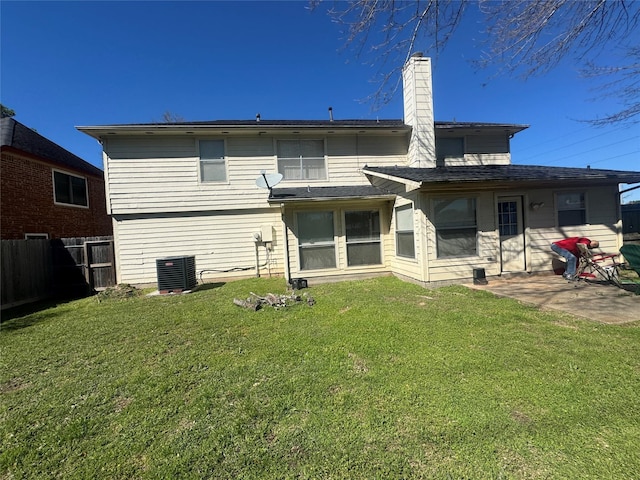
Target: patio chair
631, 254
598, 266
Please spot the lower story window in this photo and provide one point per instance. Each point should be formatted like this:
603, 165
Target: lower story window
405, 245
363, 238
316, 240
456, 229
571, 209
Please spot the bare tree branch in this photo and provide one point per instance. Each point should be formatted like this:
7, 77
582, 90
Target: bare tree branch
385, 33
524, 38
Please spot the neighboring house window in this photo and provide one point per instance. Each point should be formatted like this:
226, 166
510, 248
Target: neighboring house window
571, 209
36, 236
405, 246
316, 240
69, 189
448, 147
213, 167
363, 238
301, 159
456, 229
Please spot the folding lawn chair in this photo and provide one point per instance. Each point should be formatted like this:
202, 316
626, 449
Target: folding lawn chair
598, 266
631, 255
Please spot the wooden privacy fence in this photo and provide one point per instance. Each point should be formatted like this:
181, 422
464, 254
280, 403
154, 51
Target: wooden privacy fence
26, 273
63, 268
82, 265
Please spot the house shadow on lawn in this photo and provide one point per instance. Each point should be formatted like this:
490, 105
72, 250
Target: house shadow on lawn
24, 316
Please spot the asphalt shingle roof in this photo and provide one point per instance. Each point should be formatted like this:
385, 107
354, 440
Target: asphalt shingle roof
496, 173
16, 135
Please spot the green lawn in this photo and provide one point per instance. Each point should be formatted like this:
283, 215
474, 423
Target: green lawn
379, 379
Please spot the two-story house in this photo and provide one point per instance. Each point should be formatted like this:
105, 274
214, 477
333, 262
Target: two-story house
424, 200
47, 191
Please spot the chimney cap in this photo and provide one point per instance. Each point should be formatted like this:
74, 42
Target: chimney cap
417, 55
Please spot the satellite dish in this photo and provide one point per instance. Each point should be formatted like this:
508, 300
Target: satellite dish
269, 180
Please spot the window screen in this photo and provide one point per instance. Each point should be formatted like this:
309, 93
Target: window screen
213, 167
301, 159
316, 240
405, 245
456, 230
571, 209
363, 237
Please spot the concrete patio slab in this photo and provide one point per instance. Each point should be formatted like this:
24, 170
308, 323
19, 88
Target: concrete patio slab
596, 301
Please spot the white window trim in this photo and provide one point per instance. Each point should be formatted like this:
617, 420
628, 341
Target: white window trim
53, 183
36, 236
225, 159
303, 180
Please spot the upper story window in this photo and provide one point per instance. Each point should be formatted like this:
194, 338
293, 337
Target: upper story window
301, 159
456, 227
70, 189
571, 209
449, 147
213, 166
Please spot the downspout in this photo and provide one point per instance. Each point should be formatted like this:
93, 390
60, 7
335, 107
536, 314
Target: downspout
285, 235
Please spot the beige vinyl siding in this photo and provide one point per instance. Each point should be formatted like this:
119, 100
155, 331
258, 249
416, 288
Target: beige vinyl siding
219, 241
105, 165
160, 174
149, 175
540, 243
602, 218
347, 155
418, 108
411, 268
474, 159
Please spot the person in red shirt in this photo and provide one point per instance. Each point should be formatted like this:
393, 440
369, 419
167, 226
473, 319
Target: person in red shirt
568, 248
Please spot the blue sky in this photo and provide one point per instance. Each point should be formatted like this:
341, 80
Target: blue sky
65, 64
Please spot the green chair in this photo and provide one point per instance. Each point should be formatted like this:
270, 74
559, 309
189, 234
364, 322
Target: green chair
632, 256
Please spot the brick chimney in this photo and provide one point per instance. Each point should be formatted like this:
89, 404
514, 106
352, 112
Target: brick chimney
418, 111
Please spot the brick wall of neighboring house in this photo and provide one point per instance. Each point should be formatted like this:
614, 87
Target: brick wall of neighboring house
27, 202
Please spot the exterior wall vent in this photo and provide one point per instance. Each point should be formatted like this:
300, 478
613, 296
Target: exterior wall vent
176, 274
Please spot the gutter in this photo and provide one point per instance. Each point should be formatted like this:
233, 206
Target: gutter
285, 235
628, 190
282, 201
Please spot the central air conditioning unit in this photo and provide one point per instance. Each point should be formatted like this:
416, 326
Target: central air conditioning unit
176, 274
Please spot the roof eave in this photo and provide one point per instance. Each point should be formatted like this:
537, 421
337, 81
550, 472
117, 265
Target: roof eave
276, 200
99, 132
525, 183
